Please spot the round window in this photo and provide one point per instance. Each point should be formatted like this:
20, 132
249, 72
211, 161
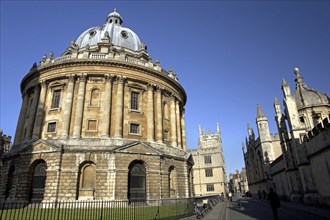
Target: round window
124, 34
92, 33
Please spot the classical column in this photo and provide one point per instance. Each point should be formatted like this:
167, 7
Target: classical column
150, 114
178, 122
107, 106
119, 107
183, 128
21, 120
159, 118
173, 122
67, 108
32, 112
79, 107
40, 111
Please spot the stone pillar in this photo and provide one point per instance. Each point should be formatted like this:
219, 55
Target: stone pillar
40, 111
67, 108
159, 116
150, 114
32, 113
21, 120
119, 107
183, 128
107, 106
178, 123
79, 107
173, 122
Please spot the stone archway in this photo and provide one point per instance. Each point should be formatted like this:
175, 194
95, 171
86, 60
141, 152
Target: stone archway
137, 181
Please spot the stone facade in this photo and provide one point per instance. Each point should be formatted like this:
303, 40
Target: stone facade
238, 182
209, 168
102, 121
296, 160
5, 142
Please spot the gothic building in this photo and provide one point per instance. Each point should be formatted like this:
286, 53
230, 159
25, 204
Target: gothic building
238, 182
209, 170
101, 121
296, 160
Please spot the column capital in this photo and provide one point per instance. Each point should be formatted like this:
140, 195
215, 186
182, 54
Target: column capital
43, 83
83, 77
151, 86
71, 77
120, 79
109, 77
159, 88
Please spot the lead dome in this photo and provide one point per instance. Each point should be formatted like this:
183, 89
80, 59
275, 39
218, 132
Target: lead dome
113, 29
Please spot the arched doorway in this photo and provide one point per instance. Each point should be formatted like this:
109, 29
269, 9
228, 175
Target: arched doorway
137, 181
38, 181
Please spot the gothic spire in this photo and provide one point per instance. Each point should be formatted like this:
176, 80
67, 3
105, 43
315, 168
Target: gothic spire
260, 114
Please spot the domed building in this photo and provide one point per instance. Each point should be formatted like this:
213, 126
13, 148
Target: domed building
101, 121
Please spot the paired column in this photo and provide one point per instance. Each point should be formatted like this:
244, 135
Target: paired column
21, 120
79, 107
32, 113
107, 107
183, 128
119, 107
178, 122
150, 114
173, 122
67, 108
159, 118
40, 111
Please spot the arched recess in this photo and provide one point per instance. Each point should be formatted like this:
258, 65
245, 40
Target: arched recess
137, 181
86, 181
173, 182
94, 97
10, 179
166, 111
38, 182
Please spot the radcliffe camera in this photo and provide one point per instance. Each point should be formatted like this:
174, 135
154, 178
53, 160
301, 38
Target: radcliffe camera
164, 110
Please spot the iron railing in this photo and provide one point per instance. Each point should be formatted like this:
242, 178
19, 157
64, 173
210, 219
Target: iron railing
98, 210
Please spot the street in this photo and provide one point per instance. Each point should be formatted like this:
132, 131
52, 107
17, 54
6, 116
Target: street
260, 209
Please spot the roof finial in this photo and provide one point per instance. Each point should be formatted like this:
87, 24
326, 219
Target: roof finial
296, 71
115, 10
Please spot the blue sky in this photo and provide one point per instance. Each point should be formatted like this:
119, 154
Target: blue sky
229, 55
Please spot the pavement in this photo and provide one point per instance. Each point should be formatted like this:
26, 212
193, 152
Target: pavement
320, 211
220, 210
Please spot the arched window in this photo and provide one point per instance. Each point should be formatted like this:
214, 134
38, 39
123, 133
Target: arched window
95, 98
39, 181
172, 179
137, 181
87, 183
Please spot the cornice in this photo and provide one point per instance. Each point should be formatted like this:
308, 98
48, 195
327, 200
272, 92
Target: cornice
111, 63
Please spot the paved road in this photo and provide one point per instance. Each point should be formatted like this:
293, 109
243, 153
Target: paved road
254, 209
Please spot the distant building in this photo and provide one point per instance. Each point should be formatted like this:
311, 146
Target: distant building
5, 142
101, 121
296, 160
238, 182
209, 168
